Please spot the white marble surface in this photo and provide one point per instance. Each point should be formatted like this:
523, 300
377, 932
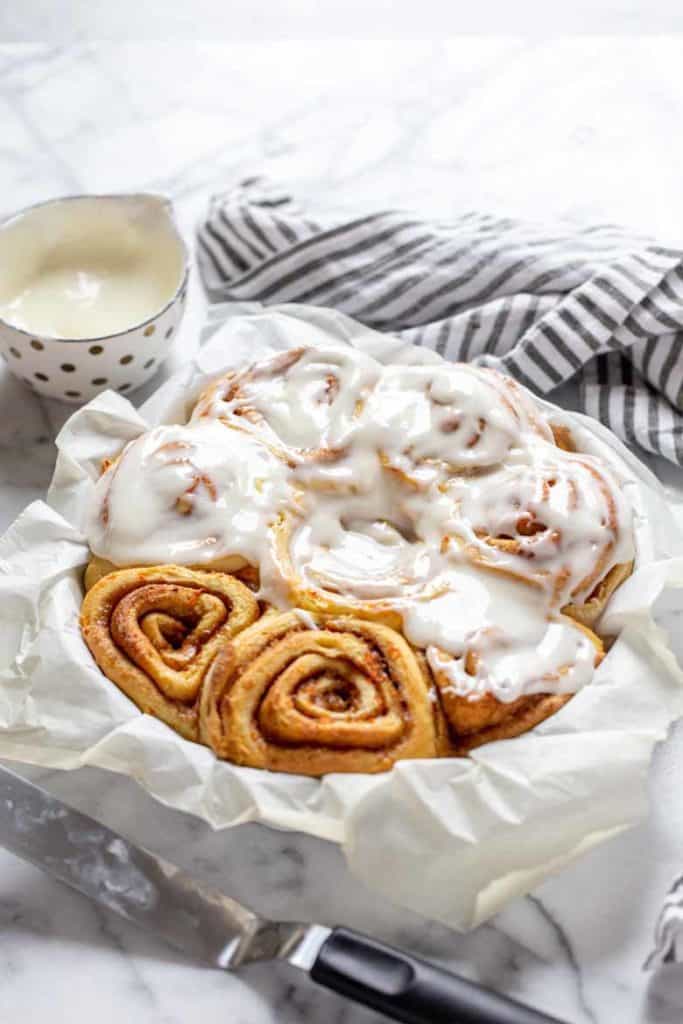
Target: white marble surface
585, 129
316, 19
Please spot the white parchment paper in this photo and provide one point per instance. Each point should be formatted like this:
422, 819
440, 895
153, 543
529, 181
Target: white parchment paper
452, 839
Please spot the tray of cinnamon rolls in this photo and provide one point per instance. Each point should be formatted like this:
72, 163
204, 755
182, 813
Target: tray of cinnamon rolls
336, 564
321, 553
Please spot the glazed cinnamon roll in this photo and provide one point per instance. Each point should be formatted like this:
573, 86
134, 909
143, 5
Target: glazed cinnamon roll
155, 632
343, 696
436, 420
554, 519
494, 691
304, 403
187, 495
358, 567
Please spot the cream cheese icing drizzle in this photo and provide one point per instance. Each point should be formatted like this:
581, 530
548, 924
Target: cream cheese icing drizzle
557, 521
187, 495
556, 658
307, 401
432, 493
456, 416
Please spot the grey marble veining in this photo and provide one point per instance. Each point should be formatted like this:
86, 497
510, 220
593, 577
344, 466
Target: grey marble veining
582, 129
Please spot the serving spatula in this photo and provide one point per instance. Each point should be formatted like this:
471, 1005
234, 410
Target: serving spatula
211, 927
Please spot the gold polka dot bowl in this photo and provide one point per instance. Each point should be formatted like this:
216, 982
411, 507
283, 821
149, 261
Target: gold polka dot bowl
92, 292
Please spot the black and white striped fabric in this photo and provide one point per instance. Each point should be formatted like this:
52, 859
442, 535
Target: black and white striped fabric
596, 302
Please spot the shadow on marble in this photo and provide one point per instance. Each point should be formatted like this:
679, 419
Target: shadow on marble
296, 998
39, 910
664, 995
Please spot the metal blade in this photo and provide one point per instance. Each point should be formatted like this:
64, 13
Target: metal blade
201, 921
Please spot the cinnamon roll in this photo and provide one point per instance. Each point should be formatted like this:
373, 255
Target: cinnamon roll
187, 495
233, 564
554, 519
95, 569
155, 632
304, 403
345, 696
588, 611
494, 691
363, 567
436, 420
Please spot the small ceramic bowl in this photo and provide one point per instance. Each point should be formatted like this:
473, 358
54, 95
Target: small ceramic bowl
92, 290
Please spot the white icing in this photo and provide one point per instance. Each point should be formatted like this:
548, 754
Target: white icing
89, 266
452, 414
305, 400
306, 618
366, 559
565, 513
559, 658
187, 495
87, 297
380, 488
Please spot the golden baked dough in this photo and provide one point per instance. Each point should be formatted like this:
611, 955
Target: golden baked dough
562, 436
588, 612
493, 720
349, 696
235, 565
155, 631
95, 569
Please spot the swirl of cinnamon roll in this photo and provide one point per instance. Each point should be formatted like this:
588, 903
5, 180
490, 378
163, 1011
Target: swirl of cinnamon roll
498, 687
305, 403
155, 631
344, 696
554, 518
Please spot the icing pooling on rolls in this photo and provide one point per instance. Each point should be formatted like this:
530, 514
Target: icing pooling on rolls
189, 495
457, 417
561, 659
431, 497
555, 519
306, 402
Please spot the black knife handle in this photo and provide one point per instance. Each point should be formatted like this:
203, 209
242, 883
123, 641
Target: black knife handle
408, 989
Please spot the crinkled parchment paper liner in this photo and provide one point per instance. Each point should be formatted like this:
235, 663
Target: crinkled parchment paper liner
451, 839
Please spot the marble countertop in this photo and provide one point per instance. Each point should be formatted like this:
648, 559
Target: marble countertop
580, 129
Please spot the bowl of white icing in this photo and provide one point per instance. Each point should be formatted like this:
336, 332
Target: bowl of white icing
92, 291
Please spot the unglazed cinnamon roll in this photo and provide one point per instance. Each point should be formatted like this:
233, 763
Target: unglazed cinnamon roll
433, 552
155, 632
344, 696
233, 564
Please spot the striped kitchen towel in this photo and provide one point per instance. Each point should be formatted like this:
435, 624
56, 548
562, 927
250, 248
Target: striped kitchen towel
597, 302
